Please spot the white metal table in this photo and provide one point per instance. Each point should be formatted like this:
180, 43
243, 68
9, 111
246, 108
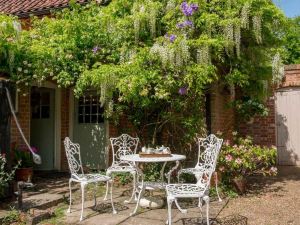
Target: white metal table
142, 185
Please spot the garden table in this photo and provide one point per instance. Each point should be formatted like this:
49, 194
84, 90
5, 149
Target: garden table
148, 185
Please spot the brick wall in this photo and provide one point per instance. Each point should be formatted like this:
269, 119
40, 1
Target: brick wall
222, 115
261, 129
292, 76
65, 95
23, 116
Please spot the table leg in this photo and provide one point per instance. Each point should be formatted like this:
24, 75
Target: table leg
168, 175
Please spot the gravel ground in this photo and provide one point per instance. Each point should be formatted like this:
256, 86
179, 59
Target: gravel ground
271, 201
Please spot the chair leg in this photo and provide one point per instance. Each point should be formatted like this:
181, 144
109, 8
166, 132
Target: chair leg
169, 201
138, 200
178, 207
106, 193
82, 200
206, 199
70, 182
216, 181
111, 197
134, 188
95, 194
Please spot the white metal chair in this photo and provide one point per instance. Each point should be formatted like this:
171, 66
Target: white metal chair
123, 145
78, 176
201, 164
208, 160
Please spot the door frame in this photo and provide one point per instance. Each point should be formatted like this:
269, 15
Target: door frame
57, 121
71, 125
283, 89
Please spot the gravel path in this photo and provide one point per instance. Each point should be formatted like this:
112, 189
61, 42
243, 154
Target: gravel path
272, 201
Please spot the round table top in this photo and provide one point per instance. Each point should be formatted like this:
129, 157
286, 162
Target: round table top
137, 158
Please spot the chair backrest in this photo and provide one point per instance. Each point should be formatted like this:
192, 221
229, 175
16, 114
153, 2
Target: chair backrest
73, 157
123, 145
209, 149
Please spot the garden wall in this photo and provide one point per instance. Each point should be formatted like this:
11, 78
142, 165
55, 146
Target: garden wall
263, 129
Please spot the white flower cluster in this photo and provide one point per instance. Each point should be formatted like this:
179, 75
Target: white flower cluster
152, 21
277, 68
245, 15
229, 36
170, 5
203, 55
178, 56
257, 28
237, 39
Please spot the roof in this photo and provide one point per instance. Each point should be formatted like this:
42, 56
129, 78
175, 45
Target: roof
23, 8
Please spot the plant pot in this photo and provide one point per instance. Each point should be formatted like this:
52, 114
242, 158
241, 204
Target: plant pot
24, 174
213, 178
240, 185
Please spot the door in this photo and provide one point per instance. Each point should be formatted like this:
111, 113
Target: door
42, 125
89, 131
288, 126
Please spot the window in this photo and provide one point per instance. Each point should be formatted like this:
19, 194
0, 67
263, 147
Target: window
40, 105
90, 110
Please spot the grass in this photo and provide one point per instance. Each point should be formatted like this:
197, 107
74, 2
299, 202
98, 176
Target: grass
58, 216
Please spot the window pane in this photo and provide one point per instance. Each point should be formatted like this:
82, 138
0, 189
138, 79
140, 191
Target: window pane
87, 109
94, 109
45, 112
94, 119
87, 119
45, 98
100, 119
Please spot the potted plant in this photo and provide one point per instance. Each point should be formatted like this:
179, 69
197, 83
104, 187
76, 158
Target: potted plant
242, 159
24, 158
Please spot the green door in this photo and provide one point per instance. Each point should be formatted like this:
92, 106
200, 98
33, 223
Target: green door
42, 126
89, 131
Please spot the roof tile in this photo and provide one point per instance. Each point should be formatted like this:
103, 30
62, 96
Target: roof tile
26, 7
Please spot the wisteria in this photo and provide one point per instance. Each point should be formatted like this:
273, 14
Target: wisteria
182, 91
257, 28
187, 9
96, 49
245, 15
277, 68
171, 37
186, 23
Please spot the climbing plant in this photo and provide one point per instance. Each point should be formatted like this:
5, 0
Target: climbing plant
155, 60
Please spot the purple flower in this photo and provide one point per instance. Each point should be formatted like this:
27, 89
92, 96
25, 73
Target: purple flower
180, 25
184, 24
187, 9
194, 7
188, 23
95, 49
172, 38
34, 149
182, 91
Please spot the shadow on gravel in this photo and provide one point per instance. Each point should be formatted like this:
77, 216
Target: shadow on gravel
258, 185
229, 220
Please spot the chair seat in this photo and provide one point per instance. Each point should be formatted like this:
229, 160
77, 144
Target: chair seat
151, 185
185, 190
92, 177
192, 170
117, 168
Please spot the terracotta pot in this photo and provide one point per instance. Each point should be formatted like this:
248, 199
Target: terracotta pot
24, 174
213, 178
240, 185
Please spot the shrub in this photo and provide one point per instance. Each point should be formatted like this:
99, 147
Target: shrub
243, 159
5, 177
